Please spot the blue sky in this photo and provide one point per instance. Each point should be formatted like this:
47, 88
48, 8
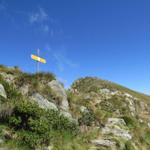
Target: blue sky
109, 39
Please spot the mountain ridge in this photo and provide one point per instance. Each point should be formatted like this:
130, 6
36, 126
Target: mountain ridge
36, 112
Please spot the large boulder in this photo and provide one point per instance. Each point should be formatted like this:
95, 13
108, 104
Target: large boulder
60, 92
117, 131
115, 121
24, 89
2, 91
116, 127
43, 103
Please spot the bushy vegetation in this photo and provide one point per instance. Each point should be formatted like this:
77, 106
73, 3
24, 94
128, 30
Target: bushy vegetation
145, 137
34, 82
129, 146
130, 121
12, 70
87, 118
33, 79
34, 125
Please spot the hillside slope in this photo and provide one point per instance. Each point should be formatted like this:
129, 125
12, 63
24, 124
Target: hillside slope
36, 112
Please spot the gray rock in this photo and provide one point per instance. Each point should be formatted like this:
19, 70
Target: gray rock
132, 106
117, 131
50, 147
2, 91
87, 96
1, 141
58, 89
115, 121
105, 91
43, 103
116, 126
114, 93
104, 143
24, 89
128, 95
144, 108
83, 109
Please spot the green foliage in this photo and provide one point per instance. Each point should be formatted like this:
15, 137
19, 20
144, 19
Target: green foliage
87, 118
33, 79
13, 70
25, 78
107, 106
129, 146
15, 121
34, 125
131, 122
44, 76
11, 92
65, 141
113, 104
30, 138
46, 92
101, 115
145, 138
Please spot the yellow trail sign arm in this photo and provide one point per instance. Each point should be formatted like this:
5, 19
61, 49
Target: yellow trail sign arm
42, 60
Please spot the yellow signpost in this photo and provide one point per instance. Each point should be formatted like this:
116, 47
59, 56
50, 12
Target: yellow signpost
38, 59
42, 60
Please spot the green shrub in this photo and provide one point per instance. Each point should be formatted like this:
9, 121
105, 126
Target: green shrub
15, 121
60, 123
131, 122
34, 125
45, 76
107, 106
129, 146
87, 119
11, 91
31, 139
146, 137
13, 70
23, 111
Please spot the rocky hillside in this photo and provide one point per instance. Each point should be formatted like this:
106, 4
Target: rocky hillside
36, 112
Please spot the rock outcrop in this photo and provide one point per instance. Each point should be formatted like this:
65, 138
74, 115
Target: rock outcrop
103, 143
2, 91
43, 103
116, 127
60, 92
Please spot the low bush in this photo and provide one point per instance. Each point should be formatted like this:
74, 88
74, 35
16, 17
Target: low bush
128, 146
87, 119
131, 122
145, 138
34, 125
